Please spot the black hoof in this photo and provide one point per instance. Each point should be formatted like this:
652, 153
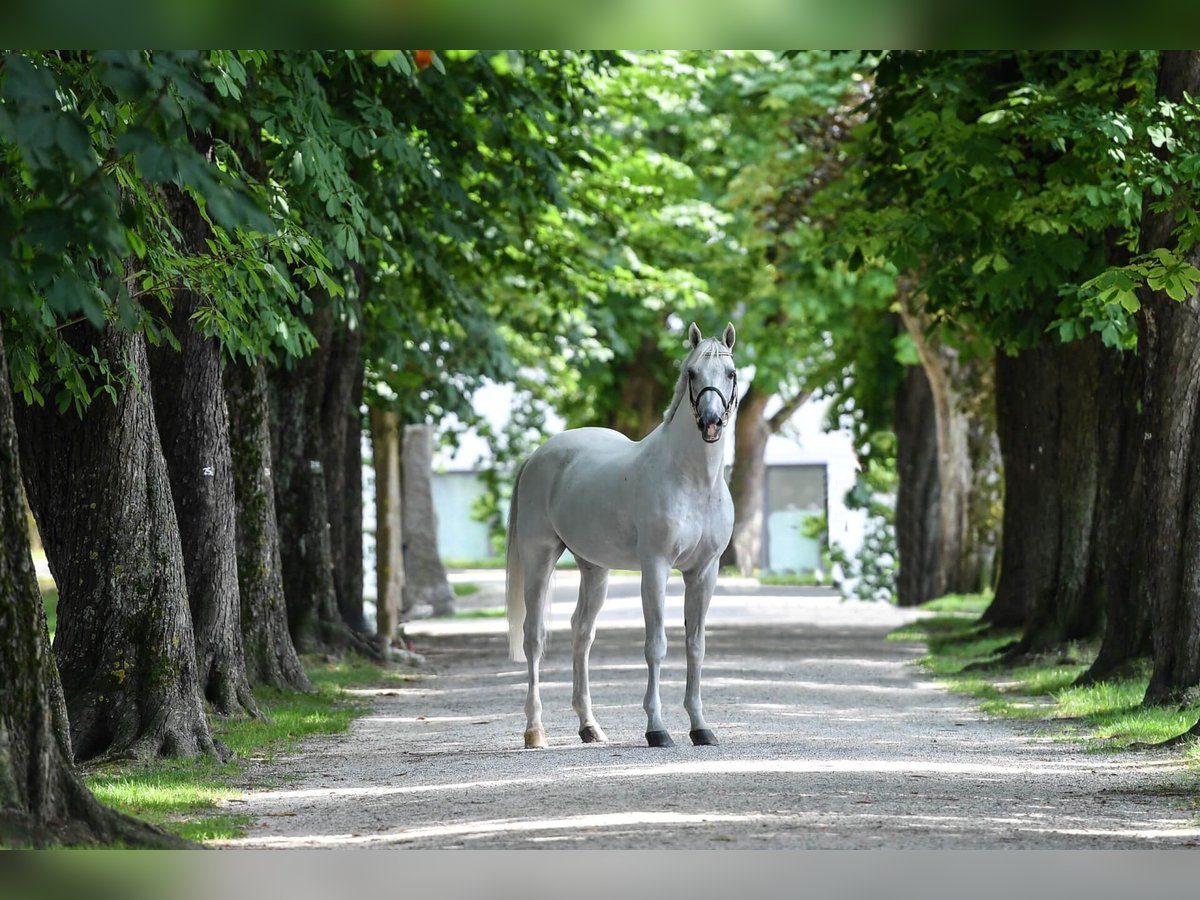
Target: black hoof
590, 734
659, 739
703, 737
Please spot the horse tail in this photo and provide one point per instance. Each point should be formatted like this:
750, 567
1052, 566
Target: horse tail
514, 581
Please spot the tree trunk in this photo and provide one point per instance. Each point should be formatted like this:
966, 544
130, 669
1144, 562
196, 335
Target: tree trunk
1048, 410
341, 429
642, 396
296, 393
100, 491
42, 800
193, 423
917, 506
962, 399
1118, 563
389, 559
1169, 339
424, 574
747, 481
270, 655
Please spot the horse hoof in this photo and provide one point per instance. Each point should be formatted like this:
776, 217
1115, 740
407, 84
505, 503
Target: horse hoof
535, 739
703, 737
591, 734
659, 739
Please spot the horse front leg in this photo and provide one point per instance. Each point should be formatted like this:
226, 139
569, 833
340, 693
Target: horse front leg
654, 596
698, 590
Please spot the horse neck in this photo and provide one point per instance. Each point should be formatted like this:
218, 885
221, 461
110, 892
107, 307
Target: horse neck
691, 458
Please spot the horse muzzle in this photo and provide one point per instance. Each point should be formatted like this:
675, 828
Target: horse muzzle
711, 431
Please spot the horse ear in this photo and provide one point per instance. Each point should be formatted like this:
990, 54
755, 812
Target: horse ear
730, 336
694, 335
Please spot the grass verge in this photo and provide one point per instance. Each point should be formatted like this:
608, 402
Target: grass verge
198, 798
966, 654
798, 579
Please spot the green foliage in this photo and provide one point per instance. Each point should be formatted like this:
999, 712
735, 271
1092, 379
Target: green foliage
871, 573
93, 145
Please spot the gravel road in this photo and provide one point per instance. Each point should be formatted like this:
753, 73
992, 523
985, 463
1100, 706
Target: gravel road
829, 740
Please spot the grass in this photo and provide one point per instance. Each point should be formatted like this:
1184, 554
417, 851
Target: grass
494, 612
802, 579
967, 655
465, 589
195, 798
50, 602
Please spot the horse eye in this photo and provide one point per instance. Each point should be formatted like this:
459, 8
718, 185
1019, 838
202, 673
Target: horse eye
691, 373
731, 374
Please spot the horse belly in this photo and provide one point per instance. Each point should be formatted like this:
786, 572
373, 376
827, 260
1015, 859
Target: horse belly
596, 527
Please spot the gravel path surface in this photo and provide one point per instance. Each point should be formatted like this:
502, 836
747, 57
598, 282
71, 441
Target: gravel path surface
828, 740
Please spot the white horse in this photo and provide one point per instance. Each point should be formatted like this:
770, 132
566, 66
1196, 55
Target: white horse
655, 504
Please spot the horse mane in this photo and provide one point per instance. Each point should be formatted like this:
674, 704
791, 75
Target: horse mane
707, 348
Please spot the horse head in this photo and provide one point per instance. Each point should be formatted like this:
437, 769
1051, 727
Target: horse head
711, 381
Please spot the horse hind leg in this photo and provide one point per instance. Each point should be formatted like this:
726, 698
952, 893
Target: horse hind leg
539, 566
593, 589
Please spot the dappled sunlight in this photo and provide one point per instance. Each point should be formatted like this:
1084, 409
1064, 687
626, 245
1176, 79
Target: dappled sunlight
502, 826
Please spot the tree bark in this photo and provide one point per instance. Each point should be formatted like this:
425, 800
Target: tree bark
389, 559
296, 392
642, 396
917, 506
425, 575
193, 423
1048, 410
747, 481
1118, 565
270, 655
42, 800
99, 488
967, 454
341, 429
1169, 338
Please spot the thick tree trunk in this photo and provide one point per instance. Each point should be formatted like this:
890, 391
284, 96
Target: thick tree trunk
389, 536
100, 491
296, 393
270, 655
961, 393
747, 481
1048, 408
642, 397
425, 578
42, 800
1169, 339
193, 423
1117, 562
917, 506
341, 429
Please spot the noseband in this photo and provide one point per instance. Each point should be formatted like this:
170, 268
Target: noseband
729, 404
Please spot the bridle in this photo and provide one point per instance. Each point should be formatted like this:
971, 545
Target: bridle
730, 404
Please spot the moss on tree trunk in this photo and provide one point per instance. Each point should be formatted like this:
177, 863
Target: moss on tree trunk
99, 488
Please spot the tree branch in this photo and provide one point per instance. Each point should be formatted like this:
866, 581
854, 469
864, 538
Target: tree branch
785, 412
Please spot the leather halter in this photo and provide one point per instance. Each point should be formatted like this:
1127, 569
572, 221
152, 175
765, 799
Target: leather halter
730, 405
